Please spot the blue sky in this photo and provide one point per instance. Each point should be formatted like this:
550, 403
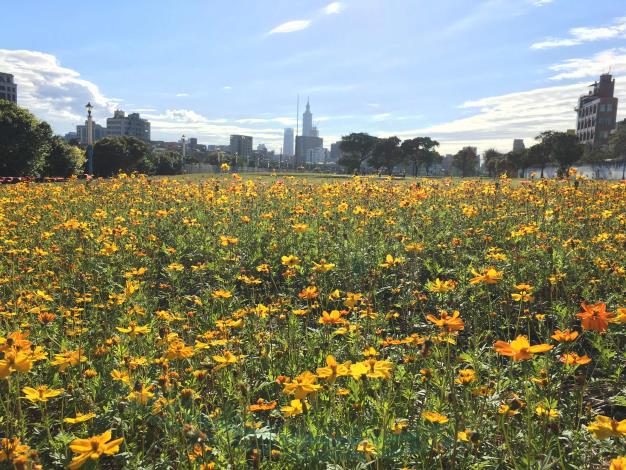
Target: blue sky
466, 72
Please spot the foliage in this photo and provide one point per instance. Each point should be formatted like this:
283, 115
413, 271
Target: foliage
466, 160
63, 159
292, 323
356, 148
420, 151
565, 150
24, 141
113, 155
386, 154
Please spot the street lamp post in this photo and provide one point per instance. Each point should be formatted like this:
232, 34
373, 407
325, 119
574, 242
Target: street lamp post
184, 148
89, 139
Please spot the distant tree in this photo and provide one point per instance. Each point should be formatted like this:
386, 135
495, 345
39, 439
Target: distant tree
565, 149
538, 155
386, 154
617, 146
113, 155
170, 163
493, 162
517, 160
420, 151
356, 148
595, 154
466, 160
24, 141
63, 159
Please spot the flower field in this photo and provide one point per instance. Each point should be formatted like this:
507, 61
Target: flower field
292, 324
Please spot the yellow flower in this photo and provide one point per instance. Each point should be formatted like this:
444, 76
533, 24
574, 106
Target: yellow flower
333, 369
120, 376
332, 318
221, 294
68, 358
447, 322
323, 266
367, 448
390, 262
41, 393
290, 261
488, 276
371, 368
399, 425
549, 413
435, 417
466, 376
302, 385
93, 448
175, 267
618, 463
226, 360
441, 286
134, 330
141, 394
224, 167
299, 228
605, 427
80, 418
294, 408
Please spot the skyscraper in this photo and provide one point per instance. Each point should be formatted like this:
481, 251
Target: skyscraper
241, 145
307, 121
597, 113
8, 88
288, 142
518, 145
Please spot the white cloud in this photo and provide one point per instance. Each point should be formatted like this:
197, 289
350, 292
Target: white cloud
333, 8
181, 95
227, 87
540, 3
498, 120
291, 26
585, 34
613, 60
52, 92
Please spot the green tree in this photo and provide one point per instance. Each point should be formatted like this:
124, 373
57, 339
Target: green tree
538, 155
565, 149
493, 162
420, 151
386, 154
356, 148
617, 146
24, 141
63, 159
113, 155
170, 163
466, 160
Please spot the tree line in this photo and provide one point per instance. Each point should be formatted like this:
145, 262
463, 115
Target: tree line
551, 148
28, 147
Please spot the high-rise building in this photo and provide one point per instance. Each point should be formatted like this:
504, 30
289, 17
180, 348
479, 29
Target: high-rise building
288, 142
518, 145
597, 113
241, 145
309, 144
307, 121
99, 132
308, 149
335, 152
8, 88
132, 126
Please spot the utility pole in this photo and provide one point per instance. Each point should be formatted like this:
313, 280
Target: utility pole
89, 139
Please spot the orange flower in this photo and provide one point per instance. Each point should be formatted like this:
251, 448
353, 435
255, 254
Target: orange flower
573, 359
520, 349
332, 318
333, 370
595, 317
262, 405
93, 448
618, 463
566, 336
446, 322
309, 293
435, 417
302, 385
605, 427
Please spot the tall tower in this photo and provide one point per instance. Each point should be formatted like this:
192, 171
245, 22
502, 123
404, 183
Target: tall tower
288, 142
307, 121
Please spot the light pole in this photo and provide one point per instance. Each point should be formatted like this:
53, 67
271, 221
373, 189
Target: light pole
89, 139
184, 148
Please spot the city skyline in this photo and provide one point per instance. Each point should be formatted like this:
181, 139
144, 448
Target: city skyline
404, 69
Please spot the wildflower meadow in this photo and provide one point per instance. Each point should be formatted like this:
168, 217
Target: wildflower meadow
294, 323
